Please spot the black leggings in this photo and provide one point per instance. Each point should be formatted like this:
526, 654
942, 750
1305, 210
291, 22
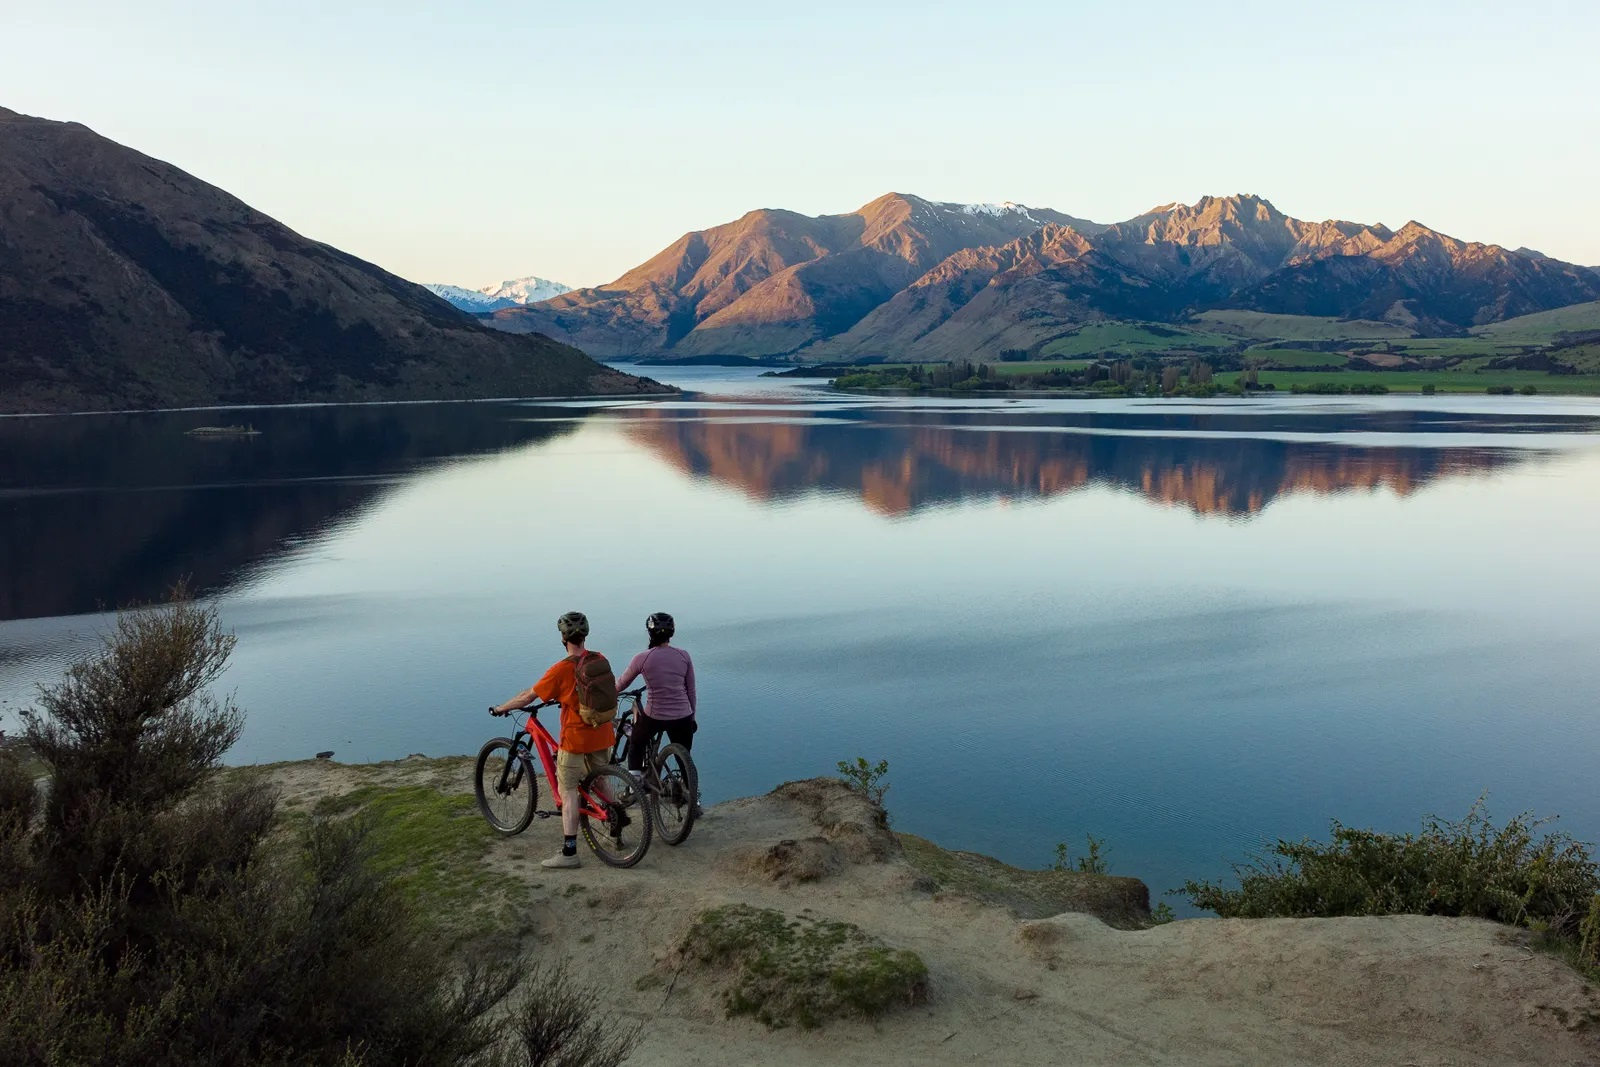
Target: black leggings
645, 731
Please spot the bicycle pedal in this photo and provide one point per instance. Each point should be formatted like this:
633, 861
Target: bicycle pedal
547, 814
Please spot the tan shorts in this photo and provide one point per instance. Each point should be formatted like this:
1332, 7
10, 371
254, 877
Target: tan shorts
573, 767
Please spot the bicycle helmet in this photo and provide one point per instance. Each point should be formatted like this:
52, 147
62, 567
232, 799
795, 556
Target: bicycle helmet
660, 626
574, 627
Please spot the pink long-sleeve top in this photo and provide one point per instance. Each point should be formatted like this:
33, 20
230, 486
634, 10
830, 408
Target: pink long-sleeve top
669, 675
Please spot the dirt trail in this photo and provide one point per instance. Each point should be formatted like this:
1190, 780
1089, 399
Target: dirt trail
1066, 989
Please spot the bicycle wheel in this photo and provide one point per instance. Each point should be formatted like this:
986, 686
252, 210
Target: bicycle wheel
623, 837
508, 808
680, 788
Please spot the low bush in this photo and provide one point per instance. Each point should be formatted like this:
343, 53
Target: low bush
555, 1025
804, 971
1093, 861
1516, 874
155, 911
868, 779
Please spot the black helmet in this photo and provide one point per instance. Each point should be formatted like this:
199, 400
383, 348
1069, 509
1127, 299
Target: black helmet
574, 627
660, 626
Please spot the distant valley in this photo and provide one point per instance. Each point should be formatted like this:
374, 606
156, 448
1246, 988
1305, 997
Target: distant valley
126, 283
909, 279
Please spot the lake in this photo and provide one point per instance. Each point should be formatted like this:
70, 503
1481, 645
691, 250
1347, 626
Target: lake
1186, 627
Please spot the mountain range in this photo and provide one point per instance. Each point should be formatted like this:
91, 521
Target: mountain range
507, 294
905, 277
127, 283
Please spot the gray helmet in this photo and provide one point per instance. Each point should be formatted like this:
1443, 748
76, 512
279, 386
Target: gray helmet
574, 627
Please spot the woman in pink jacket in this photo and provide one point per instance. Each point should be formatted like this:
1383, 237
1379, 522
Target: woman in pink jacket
670, 698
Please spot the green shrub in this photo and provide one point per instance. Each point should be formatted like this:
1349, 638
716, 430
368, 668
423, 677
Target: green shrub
556, 1025
1528, 390
868, 780
18, 797
155, 913
1589, 936
805, 970
1512, 874
1093, 860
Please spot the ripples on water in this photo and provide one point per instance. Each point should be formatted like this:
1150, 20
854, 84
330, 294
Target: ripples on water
1184, 627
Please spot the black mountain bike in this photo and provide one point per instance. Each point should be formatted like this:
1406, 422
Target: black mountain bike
669, 777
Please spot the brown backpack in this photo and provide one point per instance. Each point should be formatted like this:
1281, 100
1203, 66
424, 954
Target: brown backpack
597, 688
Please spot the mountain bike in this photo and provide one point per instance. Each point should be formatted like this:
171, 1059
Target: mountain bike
613, 812
668, 776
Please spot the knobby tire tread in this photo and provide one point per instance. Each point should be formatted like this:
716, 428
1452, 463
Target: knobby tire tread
530, 785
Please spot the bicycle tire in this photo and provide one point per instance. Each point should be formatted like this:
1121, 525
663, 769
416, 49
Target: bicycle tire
680, 789
627, 799
515, 815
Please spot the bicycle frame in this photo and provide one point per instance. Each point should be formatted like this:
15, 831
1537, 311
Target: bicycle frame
533, 735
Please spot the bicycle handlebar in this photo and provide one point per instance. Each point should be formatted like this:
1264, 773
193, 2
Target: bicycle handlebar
533, 708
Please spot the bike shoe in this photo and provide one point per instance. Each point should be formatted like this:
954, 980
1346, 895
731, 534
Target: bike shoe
562, 861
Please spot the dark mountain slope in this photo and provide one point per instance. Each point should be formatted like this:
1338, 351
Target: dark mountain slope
1422, 278
127, 283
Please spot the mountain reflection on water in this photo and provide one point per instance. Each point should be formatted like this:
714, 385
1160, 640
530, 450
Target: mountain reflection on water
924, 459
102, 511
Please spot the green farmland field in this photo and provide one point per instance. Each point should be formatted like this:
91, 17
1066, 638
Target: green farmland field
1447, 381
1266, 327
1131, 339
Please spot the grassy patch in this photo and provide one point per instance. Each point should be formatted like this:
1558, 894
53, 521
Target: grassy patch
803, 971
1447, 381
434, 844
1586, 358
1446, 347
29, 764
1131, 339
1116, 901
1544, 326
1297, 327
1042, 366
1294, 357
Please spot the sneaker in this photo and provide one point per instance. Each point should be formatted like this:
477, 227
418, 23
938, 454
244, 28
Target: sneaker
562, 861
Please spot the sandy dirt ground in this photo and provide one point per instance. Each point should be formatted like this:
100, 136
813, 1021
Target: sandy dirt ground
1065, 989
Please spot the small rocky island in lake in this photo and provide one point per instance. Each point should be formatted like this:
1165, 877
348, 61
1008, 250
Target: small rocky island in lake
222, 431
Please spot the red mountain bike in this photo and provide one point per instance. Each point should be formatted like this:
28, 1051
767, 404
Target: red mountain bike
612, 810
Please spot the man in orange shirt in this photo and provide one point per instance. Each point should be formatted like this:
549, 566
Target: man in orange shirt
584, 748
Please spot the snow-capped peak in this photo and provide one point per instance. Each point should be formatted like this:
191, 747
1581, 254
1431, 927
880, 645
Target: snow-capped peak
529, 290
511, 293
994, 210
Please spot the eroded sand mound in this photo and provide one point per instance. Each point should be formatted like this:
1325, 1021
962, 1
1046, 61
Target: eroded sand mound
1005, 984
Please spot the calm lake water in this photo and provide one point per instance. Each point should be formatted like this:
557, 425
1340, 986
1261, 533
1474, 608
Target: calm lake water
1185, 627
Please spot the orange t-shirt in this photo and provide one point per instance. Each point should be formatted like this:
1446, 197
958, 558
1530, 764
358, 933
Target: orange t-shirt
560, 682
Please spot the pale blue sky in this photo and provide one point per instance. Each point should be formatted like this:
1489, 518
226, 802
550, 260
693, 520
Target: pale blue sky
469, 142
